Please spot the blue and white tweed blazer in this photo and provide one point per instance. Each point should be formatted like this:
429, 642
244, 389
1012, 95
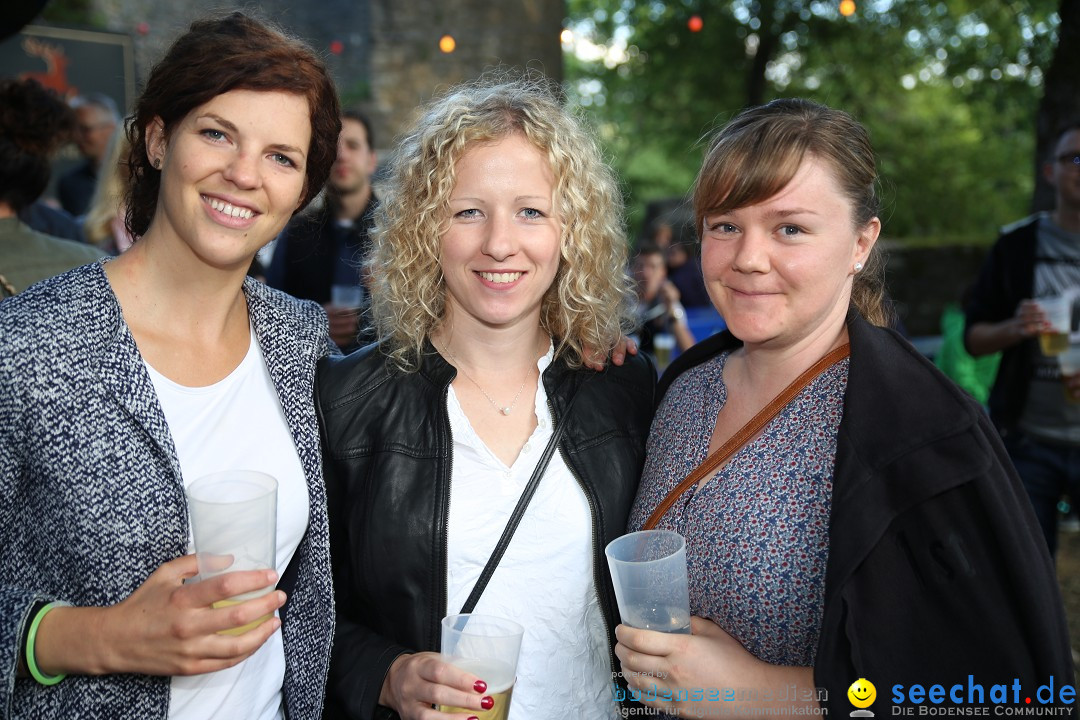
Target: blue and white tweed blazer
91, 496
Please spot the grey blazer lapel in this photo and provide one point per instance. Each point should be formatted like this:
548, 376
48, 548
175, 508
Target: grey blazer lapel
291, 343
124, 376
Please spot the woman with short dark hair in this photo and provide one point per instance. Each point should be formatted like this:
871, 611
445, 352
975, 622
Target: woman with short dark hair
122, 382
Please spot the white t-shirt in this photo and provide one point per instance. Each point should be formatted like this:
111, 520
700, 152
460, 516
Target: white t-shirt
238, 424
545, 579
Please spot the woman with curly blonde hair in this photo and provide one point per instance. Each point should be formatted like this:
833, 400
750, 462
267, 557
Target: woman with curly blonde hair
588, 305
498, 271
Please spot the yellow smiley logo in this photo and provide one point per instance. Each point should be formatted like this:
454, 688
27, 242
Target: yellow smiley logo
862, 693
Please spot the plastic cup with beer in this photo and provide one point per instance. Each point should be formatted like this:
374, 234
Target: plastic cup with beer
1058, 311
648, 570
234, 524
487, 646
1069, 360
663, 345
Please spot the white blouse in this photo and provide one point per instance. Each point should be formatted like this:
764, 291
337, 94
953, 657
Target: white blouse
545, 579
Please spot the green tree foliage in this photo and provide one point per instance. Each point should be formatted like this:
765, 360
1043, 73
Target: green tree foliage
949, 91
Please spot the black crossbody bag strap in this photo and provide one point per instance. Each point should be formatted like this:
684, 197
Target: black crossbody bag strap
519, 511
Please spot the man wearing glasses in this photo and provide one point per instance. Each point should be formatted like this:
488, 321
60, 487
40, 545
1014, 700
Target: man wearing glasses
1034, 405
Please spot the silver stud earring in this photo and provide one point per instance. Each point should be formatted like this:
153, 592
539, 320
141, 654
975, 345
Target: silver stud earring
858, 267
157, 163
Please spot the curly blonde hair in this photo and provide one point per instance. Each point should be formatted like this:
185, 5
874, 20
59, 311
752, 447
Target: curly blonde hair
589, 304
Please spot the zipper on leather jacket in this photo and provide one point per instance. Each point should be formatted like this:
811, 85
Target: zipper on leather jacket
444, 551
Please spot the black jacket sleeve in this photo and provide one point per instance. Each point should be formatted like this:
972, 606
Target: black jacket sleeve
958, 590
1006, 278
361, 656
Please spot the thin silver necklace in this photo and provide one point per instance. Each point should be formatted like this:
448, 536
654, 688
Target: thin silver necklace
504, 410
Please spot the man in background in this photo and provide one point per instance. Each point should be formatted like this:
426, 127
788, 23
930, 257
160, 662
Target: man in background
1036, 410
96, 118
326, 246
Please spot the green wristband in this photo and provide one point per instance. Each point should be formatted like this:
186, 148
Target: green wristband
31, 663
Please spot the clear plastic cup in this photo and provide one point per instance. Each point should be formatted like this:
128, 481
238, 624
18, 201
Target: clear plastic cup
663, 346
648, 570
488, 647
1058, 311
1069, 360
234, 524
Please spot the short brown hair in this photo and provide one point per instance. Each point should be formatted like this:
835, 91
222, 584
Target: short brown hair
358, 115
216, 55
758, 153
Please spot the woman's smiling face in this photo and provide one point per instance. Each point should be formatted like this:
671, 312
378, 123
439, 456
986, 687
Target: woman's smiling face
500, 253
232, 173
780, 271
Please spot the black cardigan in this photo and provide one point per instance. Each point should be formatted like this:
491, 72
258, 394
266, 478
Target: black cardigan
937, 569
1006, 278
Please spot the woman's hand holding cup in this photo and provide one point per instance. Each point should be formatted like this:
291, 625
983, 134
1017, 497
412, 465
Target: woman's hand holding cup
165, 627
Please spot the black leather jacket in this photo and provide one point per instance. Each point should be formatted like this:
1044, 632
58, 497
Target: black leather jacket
388, 456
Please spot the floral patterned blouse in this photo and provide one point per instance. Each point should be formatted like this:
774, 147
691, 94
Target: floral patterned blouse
757, 533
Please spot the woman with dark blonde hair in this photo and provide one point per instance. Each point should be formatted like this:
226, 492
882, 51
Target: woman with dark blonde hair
499, 265
849, 513
122, 382
103, 224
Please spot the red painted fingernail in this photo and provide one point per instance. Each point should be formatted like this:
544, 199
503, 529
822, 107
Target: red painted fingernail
487, 702
473, 717
479, 686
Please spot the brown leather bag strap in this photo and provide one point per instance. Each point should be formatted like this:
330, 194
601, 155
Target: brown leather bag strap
746, 432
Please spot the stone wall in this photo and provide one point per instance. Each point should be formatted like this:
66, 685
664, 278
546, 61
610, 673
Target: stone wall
408, 67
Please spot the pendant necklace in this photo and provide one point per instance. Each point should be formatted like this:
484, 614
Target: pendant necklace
504, 410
